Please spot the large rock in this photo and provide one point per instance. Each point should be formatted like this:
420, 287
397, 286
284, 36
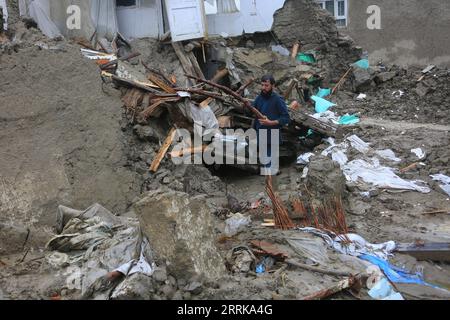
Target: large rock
363, 79
12, 238
325, 177
181, 233
384, 76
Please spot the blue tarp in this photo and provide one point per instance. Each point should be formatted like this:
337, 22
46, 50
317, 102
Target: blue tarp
348, 119
363, 64
394, 273
322, 105
323, 93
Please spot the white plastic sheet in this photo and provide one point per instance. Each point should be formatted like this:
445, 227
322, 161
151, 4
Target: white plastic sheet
304, 158
236, 224
445, 182
388, 154
357, 246
420, 154
358, 144
382, 177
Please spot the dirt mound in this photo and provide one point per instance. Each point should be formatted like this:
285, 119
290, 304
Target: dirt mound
61, 140
396, 94
304, 21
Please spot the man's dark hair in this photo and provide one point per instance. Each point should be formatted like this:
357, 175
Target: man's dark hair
268, 77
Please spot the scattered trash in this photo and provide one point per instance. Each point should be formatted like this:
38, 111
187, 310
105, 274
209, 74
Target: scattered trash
395, 274
281, 50
265, 265
420, 154
445, 182
314, 249
361, 96
236, 224
98, 243
398, 93
373, 173
353, 244
383, 290
428, 69
240, 259
304, 158
268, 249
358, 144
306, 58
388, 154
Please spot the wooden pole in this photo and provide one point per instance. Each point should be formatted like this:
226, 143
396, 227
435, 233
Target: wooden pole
162, 152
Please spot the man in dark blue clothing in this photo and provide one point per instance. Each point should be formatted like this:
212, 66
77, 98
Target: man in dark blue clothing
275, 110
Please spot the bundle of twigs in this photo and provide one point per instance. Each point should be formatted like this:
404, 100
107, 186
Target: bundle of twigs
328, 216
282, 219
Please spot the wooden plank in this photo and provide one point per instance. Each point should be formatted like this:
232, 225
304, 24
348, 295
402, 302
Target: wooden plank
186, 151
220, 75
206, 102
162, 152
437, 251
184, 60
320, 126
288, 92
144, 115
196, 66
160, 83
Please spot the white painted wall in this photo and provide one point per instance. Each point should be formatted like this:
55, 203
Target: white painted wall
143, 20
255, 16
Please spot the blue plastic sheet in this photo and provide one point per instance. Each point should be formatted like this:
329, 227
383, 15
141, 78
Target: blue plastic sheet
323, 93
348, 119
394, 273
322, 105
363, 64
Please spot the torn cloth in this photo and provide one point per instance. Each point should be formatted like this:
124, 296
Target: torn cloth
357, 246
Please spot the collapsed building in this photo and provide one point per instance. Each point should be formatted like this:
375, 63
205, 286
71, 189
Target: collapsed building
102, 133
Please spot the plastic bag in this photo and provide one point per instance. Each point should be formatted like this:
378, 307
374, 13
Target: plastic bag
236, 224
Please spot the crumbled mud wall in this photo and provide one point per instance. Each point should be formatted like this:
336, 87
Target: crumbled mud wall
304, 21
61, 140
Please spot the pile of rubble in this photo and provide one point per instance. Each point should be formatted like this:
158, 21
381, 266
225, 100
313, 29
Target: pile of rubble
196, 232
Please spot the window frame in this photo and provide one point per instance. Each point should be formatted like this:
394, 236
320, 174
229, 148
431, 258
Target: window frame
336, 10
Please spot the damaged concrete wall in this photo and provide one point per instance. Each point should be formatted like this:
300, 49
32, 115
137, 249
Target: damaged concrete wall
254, 16
412, 31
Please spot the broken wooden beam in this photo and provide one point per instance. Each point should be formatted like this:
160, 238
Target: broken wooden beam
220, 75
144, 115
187, 151
288, 91
318, 270
241, 90
340, 286
161, 83
166, 80
427, 251
125, 58
162, 152
227, 90
318, 125
341, 81
188, 61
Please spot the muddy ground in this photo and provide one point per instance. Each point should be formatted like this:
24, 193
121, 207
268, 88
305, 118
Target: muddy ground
65, 139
